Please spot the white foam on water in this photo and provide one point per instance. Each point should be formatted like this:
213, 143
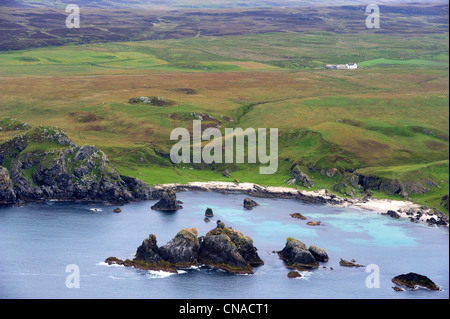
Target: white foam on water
154, 274
102, 263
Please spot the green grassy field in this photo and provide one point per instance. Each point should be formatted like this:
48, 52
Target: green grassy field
389, 118
311, 50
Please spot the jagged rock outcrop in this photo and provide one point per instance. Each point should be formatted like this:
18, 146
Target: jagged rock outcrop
148, 251
228, 249
301, 178
319, 253
222, 248
330, 172
45, 164
413, 280
209, 212
249, 203
148, 257
445, 201
392, 214
396, 187
7, 194
244, 244
348, 184
182, 250
297, 256
9, 124
356, 183
168, 202
218, 251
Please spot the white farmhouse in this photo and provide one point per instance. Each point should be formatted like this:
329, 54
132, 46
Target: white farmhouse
348, 66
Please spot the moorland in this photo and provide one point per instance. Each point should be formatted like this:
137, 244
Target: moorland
385, 123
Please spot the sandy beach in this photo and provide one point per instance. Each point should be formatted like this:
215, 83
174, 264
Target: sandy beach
404, 209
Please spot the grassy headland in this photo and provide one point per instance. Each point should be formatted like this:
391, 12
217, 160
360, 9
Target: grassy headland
388, 120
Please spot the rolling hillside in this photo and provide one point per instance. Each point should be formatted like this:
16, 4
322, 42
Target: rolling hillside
380, 130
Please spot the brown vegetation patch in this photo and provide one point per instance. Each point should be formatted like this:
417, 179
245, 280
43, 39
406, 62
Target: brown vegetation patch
435, 146
152, 24
185, 90
85, 117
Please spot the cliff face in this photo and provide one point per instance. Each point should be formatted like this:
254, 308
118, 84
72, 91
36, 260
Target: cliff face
7, 194
43, 163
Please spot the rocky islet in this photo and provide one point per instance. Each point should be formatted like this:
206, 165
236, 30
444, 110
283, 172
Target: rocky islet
168, 201
413, 281
297, 255
222, 248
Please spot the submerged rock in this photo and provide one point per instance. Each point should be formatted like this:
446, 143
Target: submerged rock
298, 216
249, 204
296, 255
413, 280
113, 261
346, 263
168, 202
139, 264
294, 274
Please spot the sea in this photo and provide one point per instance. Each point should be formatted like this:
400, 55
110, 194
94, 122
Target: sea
56, 250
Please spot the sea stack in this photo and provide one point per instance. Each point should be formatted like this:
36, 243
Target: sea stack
297, 256
249, 204
228, 249
168, 201
209, 212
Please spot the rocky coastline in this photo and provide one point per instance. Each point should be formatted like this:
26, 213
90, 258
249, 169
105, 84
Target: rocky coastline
391, 208
63, 171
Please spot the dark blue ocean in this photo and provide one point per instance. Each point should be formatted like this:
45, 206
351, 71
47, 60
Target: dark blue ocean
38, 242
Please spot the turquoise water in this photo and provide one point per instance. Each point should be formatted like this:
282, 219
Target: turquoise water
38, 241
